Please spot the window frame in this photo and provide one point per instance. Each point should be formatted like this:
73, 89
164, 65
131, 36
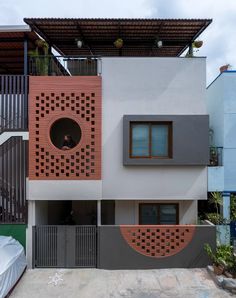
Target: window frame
158, 205
150, 123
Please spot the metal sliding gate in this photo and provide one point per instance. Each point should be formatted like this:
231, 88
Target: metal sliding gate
65, 246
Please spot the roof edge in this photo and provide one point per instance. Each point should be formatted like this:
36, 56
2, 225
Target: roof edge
219, 75
15, 28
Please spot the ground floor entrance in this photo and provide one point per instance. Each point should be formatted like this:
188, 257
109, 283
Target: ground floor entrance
111, 233
65, 246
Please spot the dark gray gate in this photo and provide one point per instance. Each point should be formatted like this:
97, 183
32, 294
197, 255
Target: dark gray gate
13, 173
65, 246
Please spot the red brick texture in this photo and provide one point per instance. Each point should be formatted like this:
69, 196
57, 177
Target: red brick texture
158, 241
52, 98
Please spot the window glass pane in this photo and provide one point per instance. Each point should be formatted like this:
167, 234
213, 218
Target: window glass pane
168, 214
140, 140
159, 140
149, 214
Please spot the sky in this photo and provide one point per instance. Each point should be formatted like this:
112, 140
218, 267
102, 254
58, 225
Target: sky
219, 39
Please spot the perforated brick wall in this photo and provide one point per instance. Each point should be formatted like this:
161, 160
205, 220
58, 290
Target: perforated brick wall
158, 241
52, 98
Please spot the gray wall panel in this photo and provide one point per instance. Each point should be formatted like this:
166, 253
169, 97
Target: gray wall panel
115, 253
190, 140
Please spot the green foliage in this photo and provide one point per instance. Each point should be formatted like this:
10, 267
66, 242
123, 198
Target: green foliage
223, 255
213, 156
41, 61
233, 207
216, 199
215, 218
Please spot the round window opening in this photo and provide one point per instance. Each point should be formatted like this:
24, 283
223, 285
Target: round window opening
65, 133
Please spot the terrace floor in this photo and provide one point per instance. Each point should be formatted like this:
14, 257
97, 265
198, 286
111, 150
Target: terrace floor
87, 283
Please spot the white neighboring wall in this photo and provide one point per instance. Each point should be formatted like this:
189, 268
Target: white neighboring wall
221, 105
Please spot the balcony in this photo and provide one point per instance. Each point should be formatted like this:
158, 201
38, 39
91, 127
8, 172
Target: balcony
216, 156
64, 66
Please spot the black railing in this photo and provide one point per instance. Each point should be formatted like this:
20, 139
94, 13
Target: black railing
13, 102
13, 173
64, 66
216, 156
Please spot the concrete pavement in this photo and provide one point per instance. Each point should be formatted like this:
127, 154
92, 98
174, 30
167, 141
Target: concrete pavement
94, 283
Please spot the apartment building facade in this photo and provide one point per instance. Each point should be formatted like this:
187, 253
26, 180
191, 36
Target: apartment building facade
221, 109
118, 141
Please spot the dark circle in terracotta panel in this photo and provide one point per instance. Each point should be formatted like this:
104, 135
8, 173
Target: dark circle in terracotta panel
65, 133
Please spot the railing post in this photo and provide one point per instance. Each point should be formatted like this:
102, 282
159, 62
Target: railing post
26, 101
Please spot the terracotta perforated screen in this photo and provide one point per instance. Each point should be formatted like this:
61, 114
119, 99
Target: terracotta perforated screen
76, 98
158, 241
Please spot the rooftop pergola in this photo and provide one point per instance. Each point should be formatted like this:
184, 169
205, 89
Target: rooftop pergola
15, 41
139, 35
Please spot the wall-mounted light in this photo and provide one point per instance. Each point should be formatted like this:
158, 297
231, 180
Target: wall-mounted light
159, 44
79, 43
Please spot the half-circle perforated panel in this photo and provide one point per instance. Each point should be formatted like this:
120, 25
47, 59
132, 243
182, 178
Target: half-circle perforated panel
158, 241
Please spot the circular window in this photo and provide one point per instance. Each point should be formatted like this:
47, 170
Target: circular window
65, 133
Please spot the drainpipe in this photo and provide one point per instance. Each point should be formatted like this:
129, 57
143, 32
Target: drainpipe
99, 213
226, 205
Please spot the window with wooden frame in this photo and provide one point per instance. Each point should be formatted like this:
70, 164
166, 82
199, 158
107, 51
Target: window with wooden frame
151, 140
158, 214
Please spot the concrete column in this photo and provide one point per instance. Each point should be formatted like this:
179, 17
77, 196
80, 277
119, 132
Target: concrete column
29, 233
99, 222
226, 205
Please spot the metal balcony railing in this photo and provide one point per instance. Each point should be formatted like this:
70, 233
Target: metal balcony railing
64, 66
13, 103
216, 156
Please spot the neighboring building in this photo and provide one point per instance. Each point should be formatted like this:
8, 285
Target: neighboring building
221, 106
138, 146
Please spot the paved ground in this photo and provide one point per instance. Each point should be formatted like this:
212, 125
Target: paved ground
94, 283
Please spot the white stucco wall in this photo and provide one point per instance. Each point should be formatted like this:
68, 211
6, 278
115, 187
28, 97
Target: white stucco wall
139, 86
127, 212
149, 86
64, 190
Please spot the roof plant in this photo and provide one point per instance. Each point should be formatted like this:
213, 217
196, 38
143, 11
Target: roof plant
40, 57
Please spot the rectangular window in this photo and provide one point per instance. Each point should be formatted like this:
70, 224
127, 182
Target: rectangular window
158, 214
150, 140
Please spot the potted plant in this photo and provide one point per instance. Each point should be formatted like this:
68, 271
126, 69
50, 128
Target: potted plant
216, 219
221, 259
40, 57
224, 67
197, 44
118, 43
232, 266
213, 156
